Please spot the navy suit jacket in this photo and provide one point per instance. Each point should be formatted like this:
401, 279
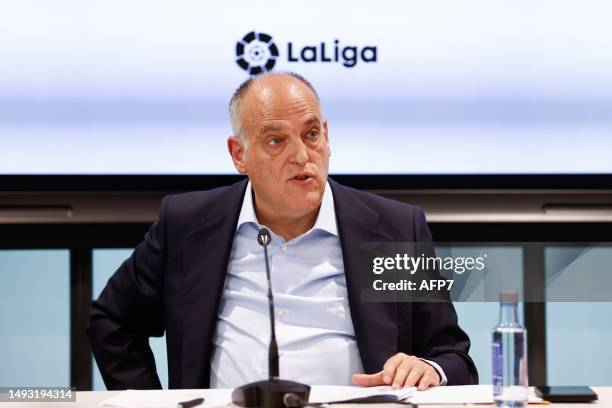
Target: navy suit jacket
173, 282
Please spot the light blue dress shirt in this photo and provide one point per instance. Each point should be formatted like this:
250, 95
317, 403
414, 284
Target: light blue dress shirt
314, 329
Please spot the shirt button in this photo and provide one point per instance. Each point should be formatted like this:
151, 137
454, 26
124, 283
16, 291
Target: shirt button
284, 248
280, 312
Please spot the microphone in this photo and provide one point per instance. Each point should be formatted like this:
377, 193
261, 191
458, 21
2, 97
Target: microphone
273, 392
263, 237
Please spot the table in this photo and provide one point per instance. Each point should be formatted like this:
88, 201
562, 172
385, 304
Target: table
92, 399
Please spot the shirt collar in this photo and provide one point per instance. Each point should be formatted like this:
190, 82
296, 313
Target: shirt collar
326, 219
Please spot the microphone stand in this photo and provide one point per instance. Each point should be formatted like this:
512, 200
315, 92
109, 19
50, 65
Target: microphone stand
273, 392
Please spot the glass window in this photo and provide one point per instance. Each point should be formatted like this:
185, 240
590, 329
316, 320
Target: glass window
579, 333
35, 318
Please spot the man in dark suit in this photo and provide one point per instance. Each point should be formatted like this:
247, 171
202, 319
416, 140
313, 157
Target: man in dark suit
198, 274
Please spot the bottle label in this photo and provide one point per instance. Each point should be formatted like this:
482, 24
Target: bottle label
497, 368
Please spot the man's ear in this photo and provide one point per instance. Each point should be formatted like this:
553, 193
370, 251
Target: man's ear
236, 150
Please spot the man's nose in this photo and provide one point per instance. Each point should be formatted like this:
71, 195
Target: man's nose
299, 153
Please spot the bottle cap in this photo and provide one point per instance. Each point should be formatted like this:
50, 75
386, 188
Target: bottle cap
508, 297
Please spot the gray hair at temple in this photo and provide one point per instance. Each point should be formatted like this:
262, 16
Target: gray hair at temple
242, 90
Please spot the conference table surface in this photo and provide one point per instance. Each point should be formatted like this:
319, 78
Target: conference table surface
92, 399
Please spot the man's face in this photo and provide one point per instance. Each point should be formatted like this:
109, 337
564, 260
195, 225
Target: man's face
286, 154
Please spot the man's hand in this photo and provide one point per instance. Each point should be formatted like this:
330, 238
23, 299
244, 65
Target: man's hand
401, 370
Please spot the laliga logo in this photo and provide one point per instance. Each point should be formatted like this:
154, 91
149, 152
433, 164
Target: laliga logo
257, 53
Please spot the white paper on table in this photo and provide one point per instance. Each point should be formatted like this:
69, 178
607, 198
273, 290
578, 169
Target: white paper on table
459, 394
167, 398
329, 393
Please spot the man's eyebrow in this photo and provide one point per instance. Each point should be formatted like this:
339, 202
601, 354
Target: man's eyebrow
311, 120
270, 128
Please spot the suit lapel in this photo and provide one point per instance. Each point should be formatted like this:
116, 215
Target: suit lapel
206, 252
375, 324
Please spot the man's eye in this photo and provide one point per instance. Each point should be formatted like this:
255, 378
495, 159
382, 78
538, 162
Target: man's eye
274, 141
313, 134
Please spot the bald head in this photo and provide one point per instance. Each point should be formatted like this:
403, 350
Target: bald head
263, 87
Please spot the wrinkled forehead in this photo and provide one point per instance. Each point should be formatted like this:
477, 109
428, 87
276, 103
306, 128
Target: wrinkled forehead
278, 99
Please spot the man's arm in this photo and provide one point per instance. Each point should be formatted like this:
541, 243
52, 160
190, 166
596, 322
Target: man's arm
438, 337
129, 311
442, 341
434, 337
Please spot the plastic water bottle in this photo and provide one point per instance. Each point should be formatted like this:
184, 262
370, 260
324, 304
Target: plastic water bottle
510, 384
